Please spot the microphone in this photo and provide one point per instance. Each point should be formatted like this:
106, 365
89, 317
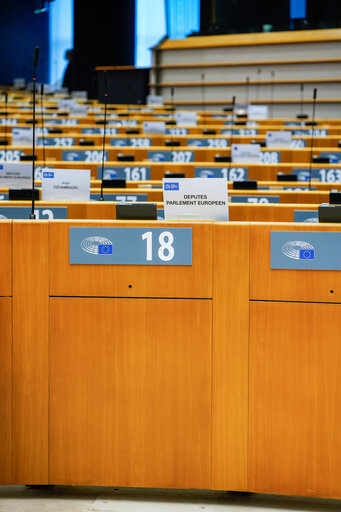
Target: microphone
203, 91
232, 127
312, 135
42, 120
247, 89
101, 198
272, 93
35, 63
258, 83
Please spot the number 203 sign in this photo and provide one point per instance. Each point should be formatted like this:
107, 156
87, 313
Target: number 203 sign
130, 246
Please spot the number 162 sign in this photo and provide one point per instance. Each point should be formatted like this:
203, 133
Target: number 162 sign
130, 246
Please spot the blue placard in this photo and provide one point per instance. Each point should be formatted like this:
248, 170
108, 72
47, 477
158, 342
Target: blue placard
56, 141
231, 173
129, 173
41, 212
171, 156
298, 189
306, 216
125, 198
135, 142
160, 214
87, 155
298, 143
176, 131
240, 131
99, 131
124, 122
208, 143
270, 157
130, 246
334, 156
305, 250
318, 132
10, 155
322, 174
120, 142
3, 197
255, 199
293, 123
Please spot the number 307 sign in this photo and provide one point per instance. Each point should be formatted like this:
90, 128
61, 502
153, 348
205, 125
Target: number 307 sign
130, 246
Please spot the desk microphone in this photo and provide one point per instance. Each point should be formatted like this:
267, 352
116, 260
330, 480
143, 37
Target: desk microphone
258, 83
35, 63
203, 91
247, 89
312, 135
232, 127
101, 198
42, 121
272, 93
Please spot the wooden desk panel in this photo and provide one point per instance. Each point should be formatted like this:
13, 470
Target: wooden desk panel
289, 285
295, 396
6, 421
130, 392
145, 280
6, 258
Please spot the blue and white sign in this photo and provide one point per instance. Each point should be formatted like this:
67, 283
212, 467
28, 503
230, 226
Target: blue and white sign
120, 142
176, 131
334, 156
208, 143
171, 156
323, 175
270, 157
240, 131
305, 250
130, 246
10, 155
88, 155
255, 199
125, 198
306, 216
154, 127
42, 213
3, 197
278, 138
318, 132
124, 122
22, 137
130, 173
66, 185
135, 142
246, 153
56, 141
99, 131
231, 173
160, 214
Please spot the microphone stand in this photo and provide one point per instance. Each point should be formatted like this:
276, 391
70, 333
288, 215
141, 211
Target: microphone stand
35, 63
101, 198
42, 120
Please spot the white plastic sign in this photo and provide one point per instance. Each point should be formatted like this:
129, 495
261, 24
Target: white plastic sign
246, 153
22, 137
186, 118
278, 139
154, 100
16, 175
257, 112
154, 127
66, 185
195, 199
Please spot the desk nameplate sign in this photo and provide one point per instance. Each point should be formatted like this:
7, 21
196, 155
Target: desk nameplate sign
124, 173
130, 246
180, 157
155, 127
231, 173
88, 155
22, 137
66, 185
56, 141
305, 250
99, 131
208, 143
306, 216
135, 142
176, 131
42, 212
246, 153
334, 156
16, 175
278, 139
186, 118
195, 199
250, 132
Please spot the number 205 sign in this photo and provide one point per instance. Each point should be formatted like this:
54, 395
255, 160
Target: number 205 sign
130, 246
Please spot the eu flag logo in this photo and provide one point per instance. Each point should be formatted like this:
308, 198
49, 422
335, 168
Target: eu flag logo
105, 249
307, 254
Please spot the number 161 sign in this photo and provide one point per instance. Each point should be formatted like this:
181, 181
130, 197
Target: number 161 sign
130, 246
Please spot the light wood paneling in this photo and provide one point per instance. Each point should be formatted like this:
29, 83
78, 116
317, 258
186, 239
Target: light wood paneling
295, 396
6, 391
6, 258
30, 352
230, 356
297, 36
145, 281
248, 63
290, 285
130, 392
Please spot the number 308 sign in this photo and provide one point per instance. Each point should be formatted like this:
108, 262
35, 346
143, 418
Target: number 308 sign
130, 246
